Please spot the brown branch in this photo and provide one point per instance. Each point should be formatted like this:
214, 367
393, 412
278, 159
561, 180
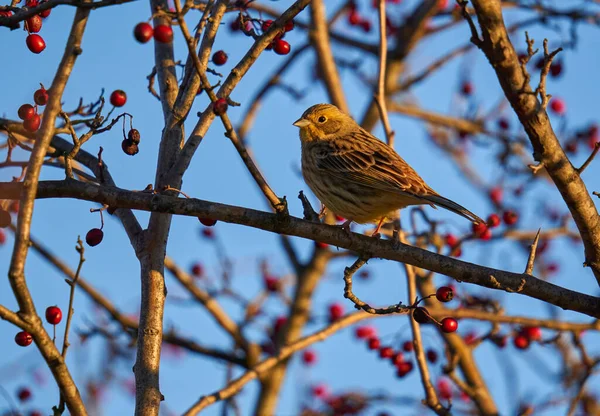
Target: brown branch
589, 159
333, 235
380, 97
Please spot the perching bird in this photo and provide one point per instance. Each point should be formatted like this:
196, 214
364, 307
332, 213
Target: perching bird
356, 175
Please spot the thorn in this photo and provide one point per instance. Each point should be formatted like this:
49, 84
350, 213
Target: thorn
533, 249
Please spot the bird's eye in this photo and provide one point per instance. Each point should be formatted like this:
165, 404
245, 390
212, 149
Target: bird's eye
322, 119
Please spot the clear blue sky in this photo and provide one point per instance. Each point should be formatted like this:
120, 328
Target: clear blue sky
112, 59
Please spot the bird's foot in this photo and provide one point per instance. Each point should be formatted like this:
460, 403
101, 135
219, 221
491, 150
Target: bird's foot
346, 227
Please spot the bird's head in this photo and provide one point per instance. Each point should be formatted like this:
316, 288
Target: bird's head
323, 122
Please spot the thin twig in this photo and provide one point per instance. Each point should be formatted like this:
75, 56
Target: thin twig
590, 158
380, 96
533, 249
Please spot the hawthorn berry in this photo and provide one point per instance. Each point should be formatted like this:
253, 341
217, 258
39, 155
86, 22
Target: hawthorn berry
510, 217
271, 283
219, 58
444, 389
374, 343
364, 274
35, 43
24, 394
451, 240
94, 237
129, 148
281, 47
5, 13
118, 98
40, 96
521, 342
208, 233
404, 368
353, 18
279, 324
33, 124
420, 315
449, 325
398, 358
266, 25
503, 123
220, 106
45, 13
386, 352
479, 229
53, 315
207, 222
365, 25
432, 356
163, 33
143, 32
4, 218
33, 24
466, 88
444, 294
197, 270
493, 221
558, 106
320, 390
134, 136
336, 311
309, 357
23, 338
532, 333
26, 111
556, 68
289, 26
408, 346
364, 332
321, 245
496, 195
2, 237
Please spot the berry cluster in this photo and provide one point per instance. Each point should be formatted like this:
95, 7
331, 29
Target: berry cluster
29, 113
53, 316
35, 43
144, 31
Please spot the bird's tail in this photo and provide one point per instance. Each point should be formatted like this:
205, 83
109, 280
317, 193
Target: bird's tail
454, 207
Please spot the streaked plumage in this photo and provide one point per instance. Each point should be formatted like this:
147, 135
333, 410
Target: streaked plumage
356, 175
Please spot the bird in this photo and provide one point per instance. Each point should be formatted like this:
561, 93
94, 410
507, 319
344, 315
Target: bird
357, 176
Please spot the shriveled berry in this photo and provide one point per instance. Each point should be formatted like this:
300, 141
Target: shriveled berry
143, 32
4, 218
53, 315
281, 47
220, 106
33, 124
219, 58
26, 111
23, 338
449, 325
35, 43
33, 24
129, 147
40, 96
420, 315
444, 294
207, 221
163, 33
118, 98
94, 237
134, 136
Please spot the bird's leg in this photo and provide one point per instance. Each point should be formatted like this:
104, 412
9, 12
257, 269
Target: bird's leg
346, 227
323, 211
376, 232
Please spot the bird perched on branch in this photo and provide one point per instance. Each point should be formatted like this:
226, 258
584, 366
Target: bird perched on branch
356, 175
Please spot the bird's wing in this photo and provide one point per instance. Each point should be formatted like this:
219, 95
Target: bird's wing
367, 161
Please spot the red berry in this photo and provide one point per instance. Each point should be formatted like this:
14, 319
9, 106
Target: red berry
320, 390
420, 315
552, 268
500, 341
496, 195
266, 25
220, 106
510, 217
336, 311
364, 274
208, 232
26, 111
365, 25
444, 294
163, 34
234, 25
197, 270
130, 148
271, 283
309, 357
53, 315
5, 13
35, 43
321, 245
532, 333
386, 352
451, 240
23, 338
33, 124
289, 26
281, 47
444, 389
503, 124
479, 229
143, 32
408, 346
279, 324
207, 222
398, 358
404, 368
24, 394
449, 325
521, 342
374, 343
219, 58
4, 218
558, 106
46, 12
33, 24
40, 96
493, 221
364, 332
118, 98
94, 237
2, 237
432, 356
556, 68
466, 88
354, 18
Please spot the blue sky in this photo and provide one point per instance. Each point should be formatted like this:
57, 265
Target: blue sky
113, 60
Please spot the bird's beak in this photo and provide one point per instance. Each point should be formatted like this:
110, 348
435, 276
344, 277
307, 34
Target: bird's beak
301, 122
